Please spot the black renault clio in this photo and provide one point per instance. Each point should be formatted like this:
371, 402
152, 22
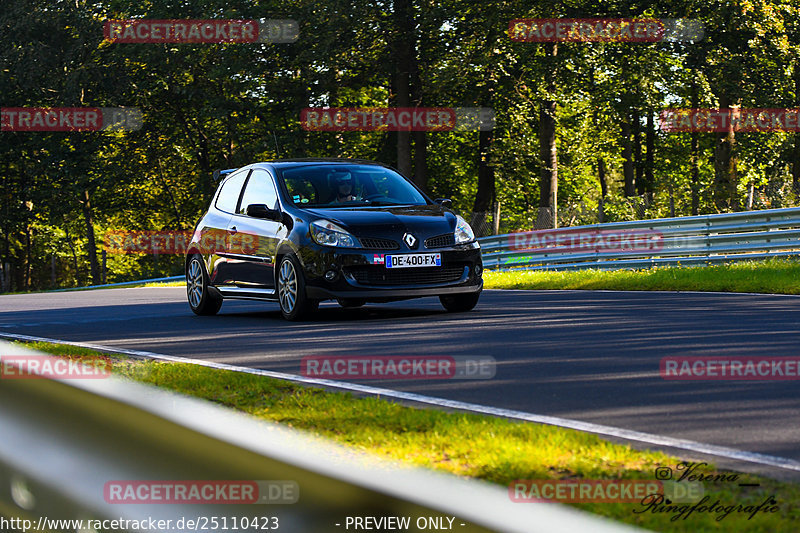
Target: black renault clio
303, 231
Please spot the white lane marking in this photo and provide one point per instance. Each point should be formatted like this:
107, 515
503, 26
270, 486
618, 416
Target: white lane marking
611, 431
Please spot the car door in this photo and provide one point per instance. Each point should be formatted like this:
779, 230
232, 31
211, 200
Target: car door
213, 233
253, 242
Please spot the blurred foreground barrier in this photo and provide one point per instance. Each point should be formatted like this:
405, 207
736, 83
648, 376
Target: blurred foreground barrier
102, 449
697, 240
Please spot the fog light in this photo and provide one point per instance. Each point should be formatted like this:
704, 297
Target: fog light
478, 270
330, 275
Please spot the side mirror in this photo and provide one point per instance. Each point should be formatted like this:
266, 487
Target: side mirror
444, 202
262, 211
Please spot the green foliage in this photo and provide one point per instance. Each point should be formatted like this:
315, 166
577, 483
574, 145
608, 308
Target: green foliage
210, 106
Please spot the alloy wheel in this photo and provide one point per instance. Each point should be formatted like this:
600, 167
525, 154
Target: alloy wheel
194, 283
287, 286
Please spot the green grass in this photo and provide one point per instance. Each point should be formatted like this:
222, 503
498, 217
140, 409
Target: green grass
774, 276
163, 284
475, 446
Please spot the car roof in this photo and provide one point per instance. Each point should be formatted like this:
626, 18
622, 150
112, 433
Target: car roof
281, 164
287, 163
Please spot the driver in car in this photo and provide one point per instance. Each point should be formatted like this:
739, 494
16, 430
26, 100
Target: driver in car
344, 188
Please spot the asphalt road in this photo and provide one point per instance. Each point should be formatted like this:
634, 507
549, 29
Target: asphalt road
585, 355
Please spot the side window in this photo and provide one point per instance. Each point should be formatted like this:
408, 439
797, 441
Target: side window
259, 190
229, 195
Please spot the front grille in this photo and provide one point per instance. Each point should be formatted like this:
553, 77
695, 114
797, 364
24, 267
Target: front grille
379, 275
378, 244
441, 241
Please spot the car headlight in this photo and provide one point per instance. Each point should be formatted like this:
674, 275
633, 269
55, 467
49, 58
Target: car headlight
463, 232
327, 233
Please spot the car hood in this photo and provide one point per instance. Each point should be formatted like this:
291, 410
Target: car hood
391, 222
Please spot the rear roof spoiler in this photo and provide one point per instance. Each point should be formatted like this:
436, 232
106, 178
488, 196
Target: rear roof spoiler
220, 174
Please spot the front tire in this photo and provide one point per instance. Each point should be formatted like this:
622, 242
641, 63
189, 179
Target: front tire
458, 303
292, 298
201, 300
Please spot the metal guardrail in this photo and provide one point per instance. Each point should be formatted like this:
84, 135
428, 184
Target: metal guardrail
122, 284
64, 440
696, 240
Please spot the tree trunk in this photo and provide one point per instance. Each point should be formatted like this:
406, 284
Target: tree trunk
420, 137
638, 164
650, 142
725, 165
404, 52
695, 156
5, 256
548, 153
178, 221
78, 280
601, 176
94, 266
485, 196
421, 159
796, 165
796, 152
28, 242
19, 269
627, 156
671, 198
202, 154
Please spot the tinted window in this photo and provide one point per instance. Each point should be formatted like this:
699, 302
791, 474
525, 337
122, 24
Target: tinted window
335, 185
229, 195
259, 190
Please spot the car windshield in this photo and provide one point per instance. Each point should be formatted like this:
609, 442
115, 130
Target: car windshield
326, 185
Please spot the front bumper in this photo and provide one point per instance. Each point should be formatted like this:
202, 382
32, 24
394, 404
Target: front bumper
361, 274
319, 293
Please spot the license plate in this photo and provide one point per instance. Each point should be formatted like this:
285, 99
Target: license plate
413, 260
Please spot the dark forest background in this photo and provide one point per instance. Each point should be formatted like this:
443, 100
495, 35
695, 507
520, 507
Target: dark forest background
576, 140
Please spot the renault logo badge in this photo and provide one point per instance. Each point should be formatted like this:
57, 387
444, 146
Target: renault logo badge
410, 240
